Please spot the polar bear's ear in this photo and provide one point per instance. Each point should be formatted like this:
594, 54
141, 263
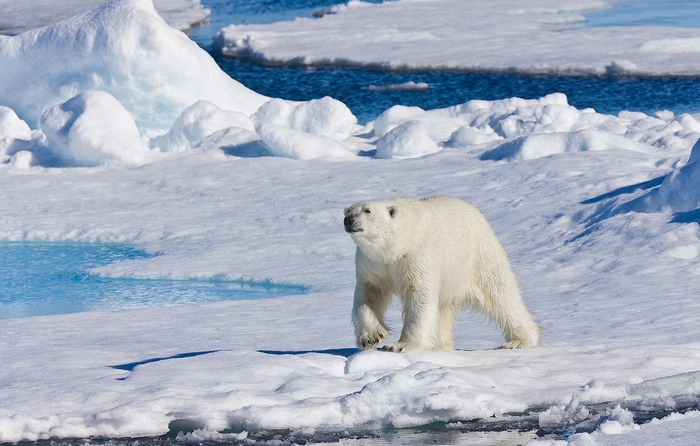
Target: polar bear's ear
392, 211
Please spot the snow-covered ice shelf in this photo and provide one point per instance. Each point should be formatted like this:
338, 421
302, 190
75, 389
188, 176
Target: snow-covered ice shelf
114, 127
20, 16
541, 36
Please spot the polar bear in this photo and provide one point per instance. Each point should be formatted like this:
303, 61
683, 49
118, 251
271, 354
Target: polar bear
436, 254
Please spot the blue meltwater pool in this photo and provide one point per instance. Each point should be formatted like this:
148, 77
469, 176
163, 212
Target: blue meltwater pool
38, 278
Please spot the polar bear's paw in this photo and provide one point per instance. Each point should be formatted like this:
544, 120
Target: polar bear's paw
370, 340
511, 345
396, 347
404, 347
517, 343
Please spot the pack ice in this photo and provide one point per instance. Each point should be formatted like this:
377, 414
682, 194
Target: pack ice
115, 127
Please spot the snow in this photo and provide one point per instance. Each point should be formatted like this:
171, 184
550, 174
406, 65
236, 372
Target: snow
672, 429
541, 36
324, 117
597, 212
290, 143
125, 49
91, 129
18, 17
408, 140
315, 129
13, 127
197, 122
677, 192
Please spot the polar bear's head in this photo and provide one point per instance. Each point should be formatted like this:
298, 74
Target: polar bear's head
369, 219
371, 224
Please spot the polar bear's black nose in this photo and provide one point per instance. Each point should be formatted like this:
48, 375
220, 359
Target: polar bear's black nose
350, 227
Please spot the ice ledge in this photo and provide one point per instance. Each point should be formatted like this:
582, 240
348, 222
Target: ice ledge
18, 17
542, 37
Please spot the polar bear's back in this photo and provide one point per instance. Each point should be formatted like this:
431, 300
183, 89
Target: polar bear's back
454, 217
442, 205
459, 240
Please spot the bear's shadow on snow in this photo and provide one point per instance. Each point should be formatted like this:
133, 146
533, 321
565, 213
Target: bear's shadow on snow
346, 352
130, 366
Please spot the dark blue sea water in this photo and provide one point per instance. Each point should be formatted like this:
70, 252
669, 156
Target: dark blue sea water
38, 278
606, 94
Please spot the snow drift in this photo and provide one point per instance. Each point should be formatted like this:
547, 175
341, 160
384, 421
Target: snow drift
91, 129
154, 76
124, 48
679, 191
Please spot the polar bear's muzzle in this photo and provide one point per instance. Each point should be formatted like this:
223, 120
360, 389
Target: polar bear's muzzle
351, 225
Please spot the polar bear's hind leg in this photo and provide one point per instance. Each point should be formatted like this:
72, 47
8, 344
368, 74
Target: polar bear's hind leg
506, 307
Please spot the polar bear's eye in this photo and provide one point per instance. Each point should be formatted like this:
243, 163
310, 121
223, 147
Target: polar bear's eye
367, 211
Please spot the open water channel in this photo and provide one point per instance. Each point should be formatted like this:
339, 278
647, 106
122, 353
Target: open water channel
365, 92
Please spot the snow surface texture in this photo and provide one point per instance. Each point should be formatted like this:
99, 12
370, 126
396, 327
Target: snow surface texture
540, 36
20, 16
598, 214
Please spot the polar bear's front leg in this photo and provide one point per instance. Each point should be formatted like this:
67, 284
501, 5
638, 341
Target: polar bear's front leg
368, 310
421, 319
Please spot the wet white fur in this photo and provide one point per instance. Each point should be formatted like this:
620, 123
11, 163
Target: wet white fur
436, 254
